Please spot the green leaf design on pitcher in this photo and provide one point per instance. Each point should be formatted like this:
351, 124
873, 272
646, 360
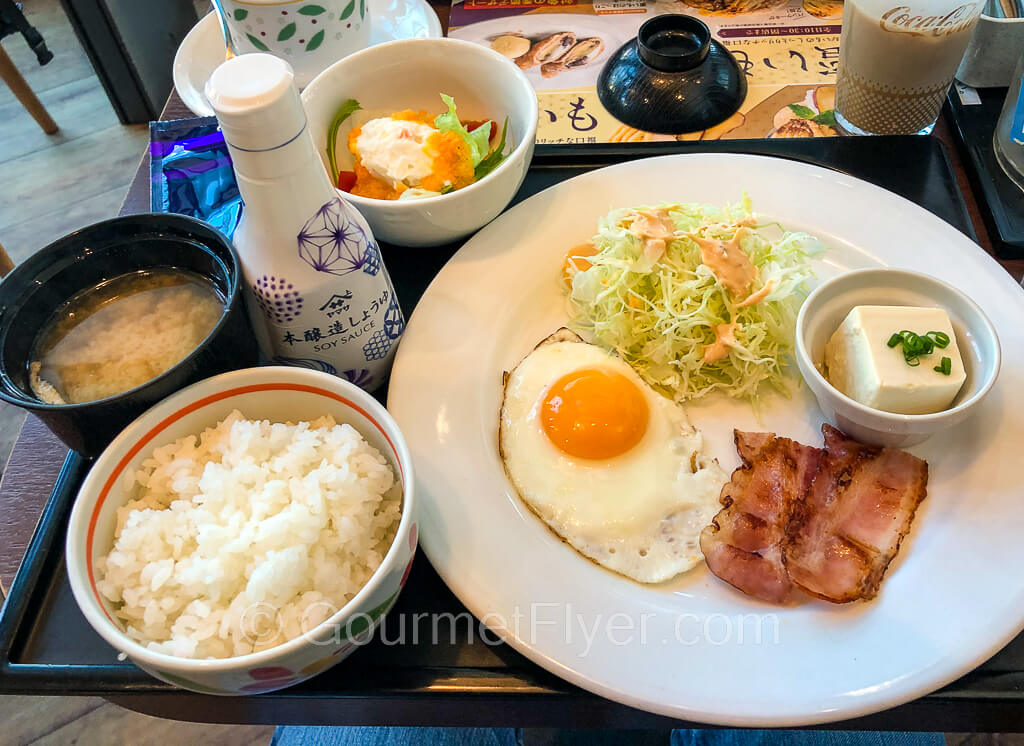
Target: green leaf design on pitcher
362, 9
348, 10
241, 14
257, 43
315, 41
287, 32
311, 10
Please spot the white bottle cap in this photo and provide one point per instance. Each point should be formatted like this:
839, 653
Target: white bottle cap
256, 101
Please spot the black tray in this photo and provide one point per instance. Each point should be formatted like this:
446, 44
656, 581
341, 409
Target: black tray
46, 646
1001, 201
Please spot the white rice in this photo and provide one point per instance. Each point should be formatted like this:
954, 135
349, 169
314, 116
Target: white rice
249, 537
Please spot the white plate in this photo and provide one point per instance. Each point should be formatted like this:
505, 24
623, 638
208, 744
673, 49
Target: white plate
203, 48
953, 597
544, 24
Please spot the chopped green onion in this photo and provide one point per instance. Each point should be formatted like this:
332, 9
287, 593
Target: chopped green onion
918, 345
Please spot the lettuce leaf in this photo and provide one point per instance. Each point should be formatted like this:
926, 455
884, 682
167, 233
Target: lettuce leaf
493, 160
481, 136
478, 140
347, 109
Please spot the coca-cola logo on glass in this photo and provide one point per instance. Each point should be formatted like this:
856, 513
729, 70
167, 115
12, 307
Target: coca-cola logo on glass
905, 20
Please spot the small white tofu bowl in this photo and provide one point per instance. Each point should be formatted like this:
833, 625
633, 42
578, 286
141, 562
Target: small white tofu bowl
824, 311
411, 74
280, 394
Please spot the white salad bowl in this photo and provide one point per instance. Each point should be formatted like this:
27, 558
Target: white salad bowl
280, 394
411, 74
827, 306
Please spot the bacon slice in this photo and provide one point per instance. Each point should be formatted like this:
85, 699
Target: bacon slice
842, 538
743, 544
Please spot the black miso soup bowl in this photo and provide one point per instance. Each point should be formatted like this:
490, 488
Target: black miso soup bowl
35, 289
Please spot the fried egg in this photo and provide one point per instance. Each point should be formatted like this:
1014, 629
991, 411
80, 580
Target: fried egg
610, 465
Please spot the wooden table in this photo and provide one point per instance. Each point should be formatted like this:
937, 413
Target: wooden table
36, 461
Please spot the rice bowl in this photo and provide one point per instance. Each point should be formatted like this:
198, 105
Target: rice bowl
296, 612
294, 518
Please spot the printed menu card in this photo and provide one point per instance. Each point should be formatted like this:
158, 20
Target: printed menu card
788, 49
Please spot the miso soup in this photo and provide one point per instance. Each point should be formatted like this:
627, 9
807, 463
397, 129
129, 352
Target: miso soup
121, 333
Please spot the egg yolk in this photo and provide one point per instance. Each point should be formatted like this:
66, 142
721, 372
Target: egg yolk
366, 184
451, 161
594, 414
408, 115
575, 261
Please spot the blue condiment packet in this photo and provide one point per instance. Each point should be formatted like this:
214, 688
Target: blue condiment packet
191, 173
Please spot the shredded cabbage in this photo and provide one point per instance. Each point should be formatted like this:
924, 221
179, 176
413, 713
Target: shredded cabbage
659, 316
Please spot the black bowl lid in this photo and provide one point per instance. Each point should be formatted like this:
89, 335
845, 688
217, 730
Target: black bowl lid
673, 78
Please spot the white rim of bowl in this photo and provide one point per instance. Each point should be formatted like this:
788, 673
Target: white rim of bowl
78, 545
528, 139
803, 353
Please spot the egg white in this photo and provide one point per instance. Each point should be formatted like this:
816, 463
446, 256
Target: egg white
640, 513
392, 150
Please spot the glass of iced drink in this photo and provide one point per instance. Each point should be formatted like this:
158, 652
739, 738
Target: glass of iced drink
897, 59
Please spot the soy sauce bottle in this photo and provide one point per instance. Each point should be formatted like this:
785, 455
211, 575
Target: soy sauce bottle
320, 296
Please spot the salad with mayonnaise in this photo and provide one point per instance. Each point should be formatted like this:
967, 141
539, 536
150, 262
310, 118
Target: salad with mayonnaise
696, 298
413, 155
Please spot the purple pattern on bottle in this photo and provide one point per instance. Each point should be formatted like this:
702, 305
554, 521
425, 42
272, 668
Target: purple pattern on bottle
278, 298
358, 376
330, 242
307, 362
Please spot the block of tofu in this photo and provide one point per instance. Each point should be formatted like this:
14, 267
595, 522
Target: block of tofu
860, 363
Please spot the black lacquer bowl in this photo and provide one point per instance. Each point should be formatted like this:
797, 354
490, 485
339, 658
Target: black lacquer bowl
35, 289
673, 78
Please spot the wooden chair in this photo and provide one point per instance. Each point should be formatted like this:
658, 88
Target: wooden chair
12, 20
